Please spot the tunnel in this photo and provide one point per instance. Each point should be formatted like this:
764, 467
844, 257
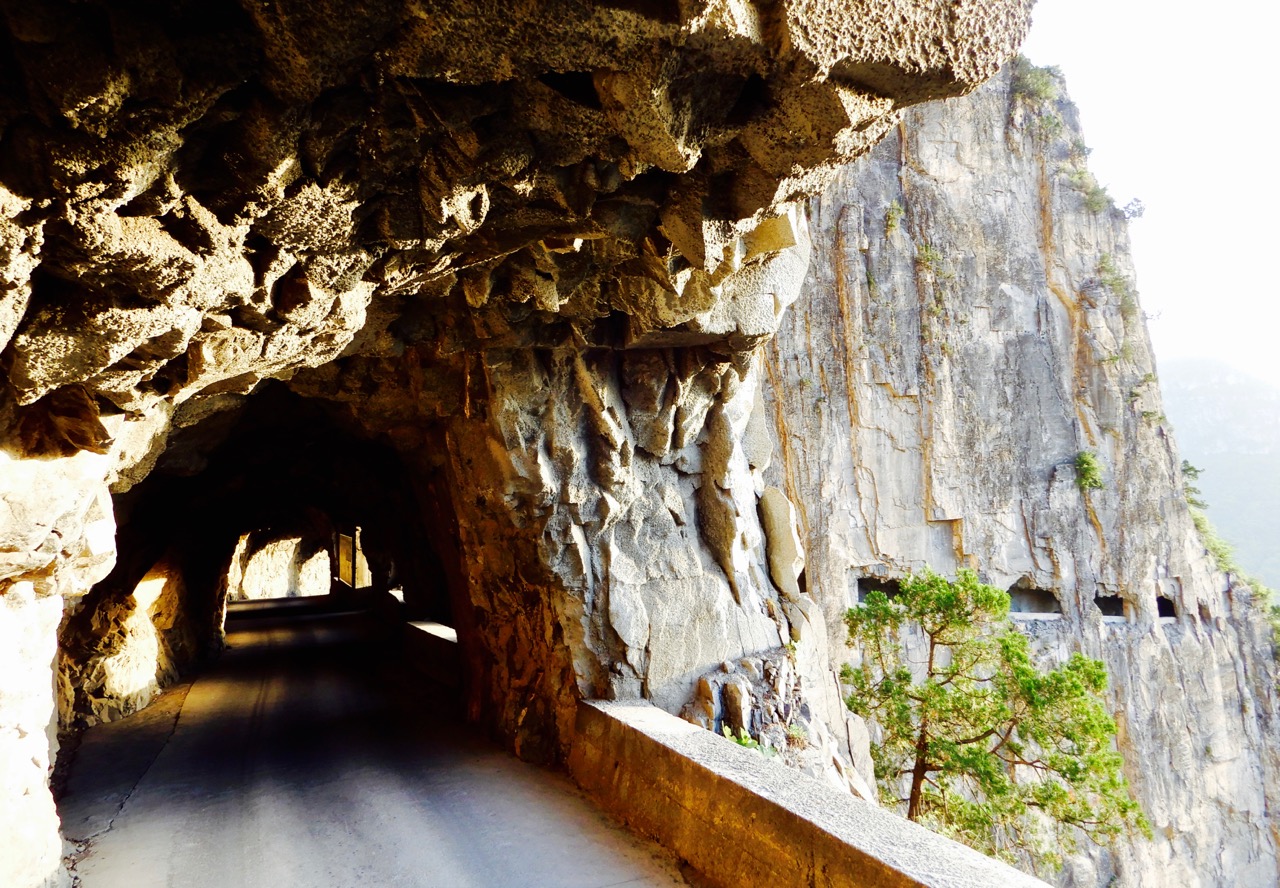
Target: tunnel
467, 308
1028, 599
311, 723
296, 729
277, 476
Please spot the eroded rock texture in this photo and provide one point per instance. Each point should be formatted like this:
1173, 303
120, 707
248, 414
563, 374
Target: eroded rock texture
969, 326
132, 646
530, 248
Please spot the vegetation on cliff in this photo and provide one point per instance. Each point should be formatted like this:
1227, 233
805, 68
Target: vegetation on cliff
975, 740
1088, 471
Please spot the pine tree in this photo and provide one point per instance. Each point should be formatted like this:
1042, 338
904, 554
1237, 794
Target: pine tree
976, 741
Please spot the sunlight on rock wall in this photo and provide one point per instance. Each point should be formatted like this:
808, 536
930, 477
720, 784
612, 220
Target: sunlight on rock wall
148, 640
288, 567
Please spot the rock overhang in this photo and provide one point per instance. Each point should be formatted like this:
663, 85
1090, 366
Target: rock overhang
201, 197
534, 246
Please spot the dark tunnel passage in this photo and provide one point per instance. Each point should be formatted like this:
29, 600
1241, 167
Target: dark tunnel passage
316, 741
278, 470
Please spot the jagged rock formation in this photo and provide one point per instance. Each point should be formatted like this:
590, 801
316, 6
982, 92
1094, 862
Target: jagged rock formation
529, 252
506, 286
135, 646
969, 326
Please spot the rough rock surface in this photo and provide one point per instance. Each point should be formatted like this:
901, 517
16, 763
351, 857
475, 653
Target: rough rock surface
969, 326
769, 699
534, 251
285, 567
538, 255
28, 822
131, 648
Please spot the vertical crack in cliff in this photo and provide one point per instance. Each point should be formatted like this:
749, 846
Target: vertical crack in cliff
1049, 250
848, 338
924, 297
772, 360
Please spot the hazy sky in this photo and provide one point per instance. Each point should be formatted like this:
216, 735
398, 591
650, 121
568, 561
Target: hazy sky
1178, 104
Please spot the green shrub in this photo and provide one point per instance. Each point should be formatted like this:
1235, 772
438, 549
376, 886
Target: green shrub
1088, 471
1035, 85
1111, 278
1097, 199
743, 739
1193, 494
892, 216
873, 289
1048, 126
930, 257
1222, 552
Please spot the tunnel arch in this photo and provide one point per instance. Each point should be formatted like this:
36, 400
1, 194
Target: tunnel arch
276, 465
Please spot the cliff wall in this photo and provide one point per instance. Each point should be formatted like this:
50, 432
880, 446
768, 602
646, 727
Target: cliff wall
968, 326
530, 253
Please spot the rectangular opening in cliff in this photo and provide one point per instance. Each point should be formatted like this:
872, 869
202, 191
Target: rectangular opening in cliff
867, 585
1113, 607
288, 560
1028, 600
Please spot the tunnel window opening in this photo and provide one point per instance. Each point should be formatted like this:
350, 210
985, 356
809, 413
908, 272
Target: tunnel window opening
269, 565
891, 588
1165, 608
1031, 602
1113, 607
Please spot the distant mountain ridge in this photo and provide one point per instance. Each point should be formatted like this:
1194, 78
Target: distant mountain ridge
1228, 424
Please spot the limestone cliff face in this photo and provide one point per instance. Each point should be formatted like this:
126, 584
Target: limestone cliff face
516, 277
530, 253
968, 327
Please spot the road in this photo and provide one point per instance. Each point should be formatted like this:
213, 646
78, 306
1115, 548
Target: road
295, 761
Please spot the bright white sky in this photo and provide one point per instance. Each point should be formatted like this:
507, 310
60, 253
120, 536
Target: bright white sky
1178, 102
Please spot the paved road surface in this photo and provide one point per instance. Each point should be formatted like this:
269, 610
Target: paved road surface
293, 762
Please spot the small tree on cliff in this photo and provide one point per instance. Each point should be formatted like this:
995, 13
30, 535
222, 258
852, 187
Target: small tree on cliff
978, 742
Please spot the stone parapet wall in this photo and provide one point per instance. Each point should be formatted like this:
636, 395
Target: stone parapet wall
739, 819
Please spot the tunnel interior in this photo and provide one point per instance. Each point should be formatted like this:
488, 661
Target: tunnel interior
281, 476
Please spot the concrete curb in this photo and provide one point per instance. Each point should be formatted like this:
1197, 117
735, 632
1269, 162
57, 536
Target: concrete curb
739, 819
